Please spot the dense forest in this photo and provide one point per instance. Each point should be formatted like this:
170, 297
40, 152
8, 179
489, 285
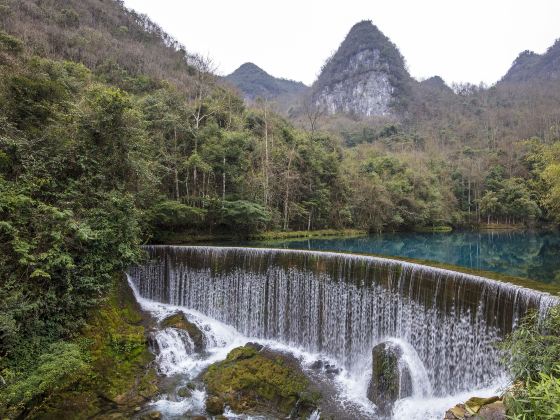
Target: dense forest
112, 134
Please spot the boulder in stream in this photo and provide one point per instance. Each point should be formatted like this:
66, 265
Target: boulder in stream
180, 322
390, 378
252, 381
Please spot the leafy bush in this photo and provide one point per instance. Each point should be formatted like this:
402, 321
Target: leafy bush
60, 366
532, 355
244, 216
534, 347
10, 44
173, 215
539, 399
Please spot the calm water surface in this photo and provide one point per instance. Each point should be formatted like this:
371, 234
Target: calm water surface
534, 255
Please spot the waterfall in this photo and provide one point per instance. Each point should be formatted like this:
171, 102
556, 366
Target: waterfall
341, 305
174, 348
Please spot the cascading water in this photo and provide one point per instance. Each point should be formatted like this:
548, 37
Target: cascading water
341, 305
173, 349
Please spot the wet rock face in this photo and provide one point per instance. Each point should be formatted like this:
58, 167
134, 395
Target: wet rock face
180, 322
255, 380
390, 379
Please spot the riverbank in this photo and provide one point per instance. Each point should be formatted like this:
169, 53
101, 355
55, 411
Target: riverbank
500, 226
183, 238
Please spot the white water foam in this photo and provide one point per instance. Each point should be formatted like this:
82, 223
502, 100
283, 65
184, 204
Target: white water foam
194, 404
434, 408
351, 384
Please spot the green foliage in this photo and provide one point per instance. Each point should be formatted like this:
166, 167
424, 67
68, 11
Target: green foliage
532, 354
74, 379
70, 164
243, 216
510, 200
69, 18
543, 161
59, 367
10, 44
172, 215
390, 194
537, 400
33, 100
534, 347
67, 255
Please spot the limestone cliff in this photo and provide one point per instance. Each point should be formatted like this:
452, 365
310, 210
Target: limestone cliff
365, 77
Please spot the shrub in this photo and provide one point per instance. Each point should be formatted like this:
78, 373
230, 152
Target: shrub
10, 44
538, 399
173, 215
244, 216
534, 347
62, 365
532, 355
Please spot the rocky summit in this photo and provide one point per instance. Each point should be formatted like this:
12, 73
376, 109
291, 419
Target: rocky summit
365, 77
530, 66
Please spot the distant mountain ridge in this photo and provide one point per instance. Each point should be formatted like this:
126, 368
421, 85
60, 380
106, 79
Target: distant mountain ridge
254, 82
366, 76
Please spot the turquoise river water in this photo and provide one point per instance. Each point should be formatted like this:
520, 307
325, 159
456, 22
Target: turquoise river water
528, 254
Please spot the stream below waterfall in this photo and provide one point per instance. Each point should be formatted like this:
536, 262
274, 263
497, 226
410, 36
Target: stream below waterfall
332, 308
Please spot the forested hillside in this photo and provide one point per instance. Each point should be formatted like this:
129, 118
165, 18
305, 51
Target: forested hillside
117, 44
112, 135
99, 152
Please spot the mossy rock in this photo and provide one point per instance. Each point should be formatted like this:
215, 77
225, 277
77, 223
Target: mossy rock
389, 382
180, 322
121, 378
259, 382
214, 405
184, 392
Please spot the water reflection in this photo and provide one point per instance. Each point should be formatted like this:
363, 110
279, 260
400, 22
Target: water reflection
534, 255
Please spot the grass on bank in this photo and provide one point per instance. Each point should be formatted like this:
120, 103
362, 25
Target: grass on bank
184, 238
433, 229
500, 226
306, 234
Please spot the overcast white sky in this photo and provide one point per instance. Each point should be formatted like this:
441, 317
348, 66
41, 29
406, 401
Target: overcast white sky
460, 40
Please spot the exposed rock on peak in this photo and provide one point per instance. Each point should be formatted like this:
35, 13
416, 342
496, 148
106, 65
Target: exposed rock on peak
254, 82
365, 77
